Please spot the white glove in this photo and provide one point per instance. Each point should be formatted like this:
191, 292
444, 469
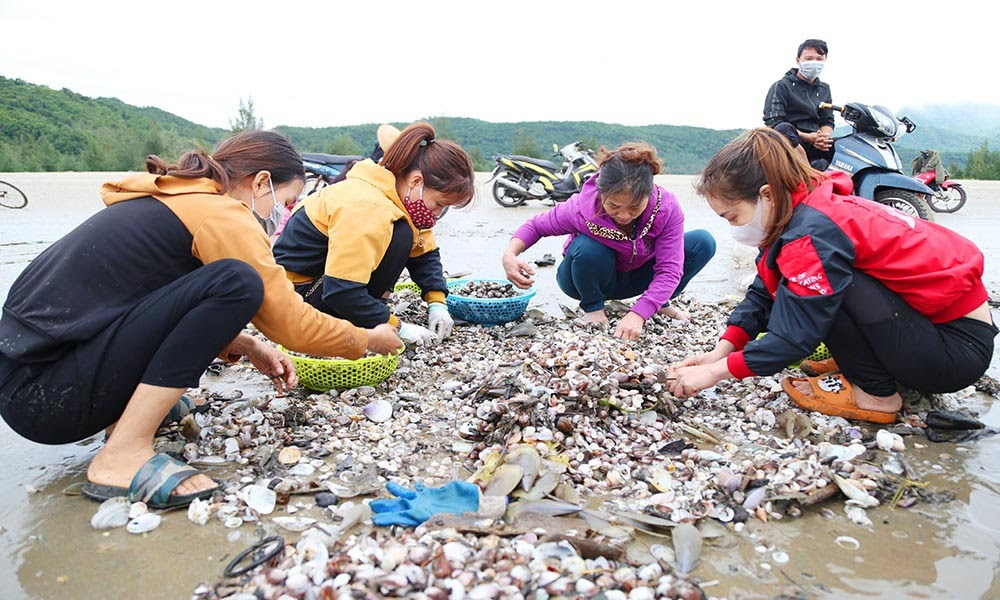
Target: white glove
416, 335
439, 320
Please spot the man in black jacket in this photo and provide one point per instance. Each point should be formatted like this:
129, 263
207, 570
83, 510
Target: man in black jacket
792, 104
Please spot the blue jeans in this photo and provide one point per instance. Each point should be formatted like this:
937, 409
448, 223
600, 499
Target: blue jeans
588, 273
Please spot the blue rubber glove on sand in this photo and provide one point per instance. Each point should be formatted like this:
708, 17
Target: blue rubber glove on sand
411, 508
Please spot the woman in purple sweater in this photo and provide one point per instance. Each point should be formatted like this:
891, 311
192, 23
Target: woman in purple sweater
626, 238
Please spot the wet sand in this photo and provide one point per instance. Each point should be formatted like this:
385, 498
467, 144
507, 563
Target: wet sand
930, 551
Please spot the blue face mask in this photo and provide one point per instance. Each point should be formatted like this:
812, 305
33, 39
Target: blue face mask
811, 69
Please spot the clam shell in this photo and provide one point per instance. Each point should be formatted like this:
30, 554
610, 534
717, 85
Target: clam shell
504, 480
378, 411
199, 511
846, 541
294, 523
143, 523
855, 492
260, 499
289, 456
888, 440
111, 513
529, 460
687, 546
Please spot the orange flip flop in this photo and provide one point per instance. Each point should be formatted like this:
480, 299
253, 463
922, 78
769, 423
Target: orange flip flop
815, 368
833, 395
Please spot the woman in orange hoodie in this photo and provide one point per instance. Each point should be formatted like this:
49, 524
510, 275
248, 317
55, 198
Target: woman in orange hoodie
107, 327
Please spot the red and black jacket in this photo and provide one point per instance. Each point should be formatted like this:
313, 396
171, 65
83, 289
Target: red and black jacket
802, 276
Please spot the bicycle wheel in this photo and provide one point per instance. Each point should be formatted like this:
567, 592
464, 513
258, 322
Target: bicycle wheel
11, 197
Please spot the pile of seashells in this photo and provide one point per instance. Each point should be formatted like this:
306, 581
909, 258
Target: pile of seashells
594, 478
486, 289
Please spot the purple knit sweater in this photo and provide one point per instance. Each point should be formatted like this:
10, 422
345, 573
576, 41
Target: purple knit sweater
662, 239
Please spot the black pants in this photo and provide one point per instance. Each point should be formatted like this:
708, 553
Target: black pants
166, 339
812, 152
878, 340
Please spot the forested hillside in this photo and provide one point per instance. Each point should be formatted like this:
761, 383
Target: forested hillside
42, 129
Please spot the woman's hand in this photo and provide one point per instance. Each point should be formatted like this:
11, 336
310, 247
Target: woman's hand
274, 364
723, 349
630, 327
518, 271
693, 379
382, 339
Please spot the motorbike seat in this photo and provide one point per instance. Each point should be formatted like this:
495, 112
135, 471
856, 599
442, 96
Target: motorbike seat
331, 159
546, 164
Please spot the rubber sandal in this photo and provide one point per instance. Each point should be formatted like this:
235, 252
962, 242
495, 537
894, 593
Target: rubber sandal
815, 368
153, 484
185, 406
833, 395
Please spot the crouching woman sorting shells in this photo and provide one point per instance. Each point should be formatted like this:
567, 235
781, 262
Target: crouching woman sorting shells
626, 238
345, 247
108, 326
896, 299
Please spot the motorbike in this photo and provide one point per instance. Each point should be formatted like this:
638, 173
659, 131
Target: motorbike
949, 196
867, 155
522, 178
325, 169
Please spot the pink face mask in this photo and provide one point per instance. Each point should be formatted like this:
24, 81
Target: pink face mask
421, 216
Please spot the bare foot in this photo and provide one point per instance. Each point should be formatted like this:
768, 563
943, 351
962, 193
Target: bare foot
596, 316
117, 466
675, 313
889, 404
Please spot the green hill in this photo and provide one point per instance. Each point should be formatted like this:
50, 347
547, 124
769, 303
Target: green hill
42, 129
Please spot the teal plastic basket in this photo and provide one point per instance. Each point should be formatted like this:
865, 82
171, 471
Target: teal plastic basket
486, 311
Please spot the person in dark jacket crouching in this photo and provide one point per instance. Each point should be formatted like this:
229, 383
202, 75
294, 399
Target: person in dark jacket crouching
871, 282
792, 105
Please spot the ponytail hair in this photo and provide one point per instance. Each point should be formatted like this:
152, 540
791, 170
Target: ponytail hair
243, 154
444, 165
757, 157
629, 168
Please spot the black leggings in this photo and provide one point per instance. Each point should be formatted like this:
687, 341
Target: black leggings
878, 340
166, 339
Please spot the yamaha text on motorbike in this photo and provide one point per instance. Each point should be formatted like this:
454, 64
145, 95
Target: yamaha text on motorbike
868, 157
522, 178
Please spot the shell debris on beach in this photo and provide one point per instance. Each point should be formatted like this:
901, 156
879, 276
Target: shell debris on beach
606, 482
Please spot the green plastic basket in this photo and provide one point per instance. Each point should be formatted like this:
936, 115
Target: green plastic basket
322, 374
406, 285
820, 353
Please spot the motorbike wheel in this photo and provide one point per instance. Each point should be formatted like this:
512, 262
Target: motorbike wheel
950, 199
505, 196
906, 201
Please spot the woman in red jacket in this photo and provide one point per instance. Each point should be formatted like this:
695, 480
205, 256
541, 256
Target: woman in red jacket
895, 299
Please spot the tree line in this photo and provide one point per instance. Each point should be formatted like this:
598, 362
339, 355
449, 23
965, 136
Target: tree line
42, 129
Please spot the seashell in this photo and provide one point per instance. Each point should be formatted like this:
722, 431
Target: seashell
687, 546
559, 550
457, 552
144, 523
754, 498
857, 515
289, 455
659, 479
709, 456
855, 492
232, 522
260, 499
529, 460
199, 511
724, 514
504, 480
888, 440
779, 558
378, 411
294, 523
113, 512
137, 509
302, 470
845, 541
484, 591
545, 484
297, 583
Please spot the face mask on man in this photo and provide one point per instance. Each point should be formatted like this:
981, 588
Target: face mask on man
811, 69
752, 233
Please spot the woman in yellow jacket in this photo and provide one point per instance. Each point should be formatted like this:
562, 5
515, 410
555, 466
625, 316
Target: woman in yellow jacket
345, 247
107, 327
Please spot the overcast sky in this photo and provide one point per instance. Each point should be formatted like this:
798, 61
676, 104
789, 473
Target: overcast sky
323, 63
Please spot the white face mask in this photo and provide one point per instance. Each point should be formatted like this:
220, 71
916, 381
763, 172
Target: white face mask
811, 69
752, 233
271, 222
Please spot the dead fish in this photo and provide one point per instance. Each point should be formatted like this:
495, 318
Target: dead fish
524, 329
687, 547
